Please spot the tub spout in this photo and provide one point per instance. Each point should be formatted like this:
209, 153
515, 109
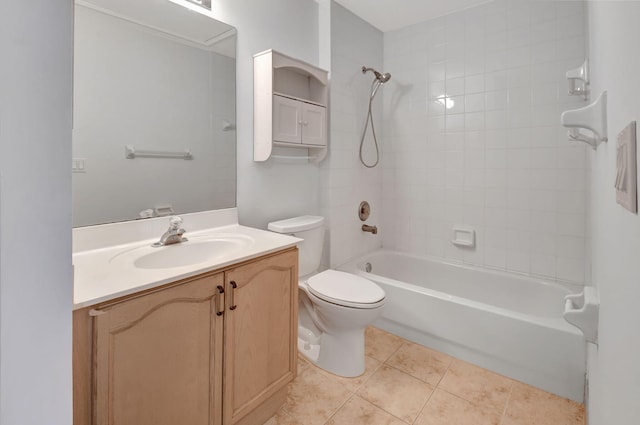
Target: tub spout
371, 229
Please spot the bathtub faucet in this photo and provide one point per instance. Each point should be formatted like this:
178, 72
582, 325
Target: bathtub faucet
371, 229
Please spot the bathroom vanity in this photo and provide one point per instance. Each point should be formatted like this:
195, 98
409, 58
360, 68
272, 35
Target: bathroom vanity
161, 343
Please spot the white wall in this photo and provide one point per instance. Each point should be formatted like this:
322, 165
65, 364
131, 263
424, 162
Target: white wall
271, 190
497, 160
614, 367
345, 181
134, 87
35, 212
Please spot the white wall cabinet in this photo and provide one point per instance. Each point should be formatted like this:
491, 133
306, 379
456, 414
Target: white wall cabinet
290, 106
300, 122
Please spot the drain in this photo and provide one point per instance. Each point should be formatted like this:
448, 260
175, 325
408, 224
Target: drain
368, 267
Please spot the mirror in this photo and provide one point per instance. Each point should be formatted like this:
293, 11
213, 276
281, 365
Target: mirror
154, 111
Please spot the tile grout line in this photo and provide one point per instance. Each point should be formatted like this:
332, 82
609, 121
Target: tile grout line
405, 342
424, 405
445, 372
369, 377
385, 411
384, 363
504, 410
351, 395
354, 392
506, 405
415, 377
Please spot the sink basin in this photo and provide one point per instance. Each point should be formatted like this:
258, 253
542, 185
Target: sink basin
191, 252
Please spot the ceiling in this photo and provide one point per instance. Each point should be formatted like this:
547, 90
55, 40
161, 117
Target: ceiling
390, 15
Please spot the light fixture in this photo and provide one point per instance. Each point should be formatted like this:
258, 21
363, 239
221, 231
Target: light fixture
202, 3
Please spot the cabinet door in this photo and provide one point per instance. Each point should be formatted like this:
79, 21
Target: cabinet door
287, 119
260, 332
159, 358
314, 124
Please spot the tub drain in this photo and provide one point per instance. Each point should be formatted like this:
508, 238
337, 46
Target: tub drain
367, 267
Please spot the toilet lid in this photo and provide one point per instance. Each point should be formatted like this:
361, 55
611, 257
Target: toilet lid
345, 289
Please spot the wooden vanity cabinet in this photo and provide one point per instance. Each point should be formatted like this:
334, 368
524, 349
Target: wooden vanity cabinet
158, 357
260, 334
168, 357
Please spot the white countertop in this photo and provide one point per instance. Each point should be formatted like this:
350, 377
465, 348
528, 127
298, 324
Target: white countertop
108, 272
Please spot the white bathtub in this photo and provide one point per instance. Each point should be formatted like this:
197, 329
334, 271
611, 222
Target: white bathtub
504, 322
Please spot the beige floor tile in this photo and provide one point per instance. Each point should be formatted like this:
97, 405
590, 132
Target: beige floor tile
423, 363
360, 412
398, 393
282, 418
380, 344
314, 396
447, 409
477, 385
352, 384
532, 406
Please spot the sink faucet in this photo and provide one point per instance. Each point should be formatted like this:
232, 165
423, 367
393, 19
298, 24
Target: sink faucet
173, 234
371, 229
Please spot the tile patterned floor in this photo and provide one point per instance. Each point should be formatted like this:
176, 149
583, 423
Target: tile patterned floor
406, 383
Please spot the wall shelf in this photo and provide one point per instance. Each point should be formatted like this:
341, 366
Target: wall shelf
289, 106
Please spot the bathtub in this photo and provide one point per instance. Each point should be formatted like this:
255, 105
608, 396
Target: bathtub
504, 322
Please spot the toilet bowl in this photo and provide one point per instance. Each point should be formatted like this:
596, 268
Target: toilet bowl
334, 307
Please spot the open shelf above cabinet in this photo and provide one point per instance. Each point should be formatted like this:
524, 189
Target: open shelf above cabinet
290, 101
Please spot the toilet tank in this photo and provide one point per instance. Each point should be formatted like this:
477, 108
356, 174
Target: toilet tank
311, 229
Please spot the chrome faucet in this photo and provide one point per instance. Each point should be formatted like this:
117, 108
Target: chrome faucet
173, 234
371, 229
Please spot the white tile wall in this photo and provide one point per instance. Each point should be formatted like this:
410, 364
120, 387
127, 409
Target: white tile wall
472, 137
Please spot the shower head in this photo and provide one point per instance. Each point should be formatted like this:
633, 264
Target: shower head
383, 78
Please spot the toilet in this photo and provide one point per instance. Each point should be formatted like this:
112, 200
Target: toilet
334, 307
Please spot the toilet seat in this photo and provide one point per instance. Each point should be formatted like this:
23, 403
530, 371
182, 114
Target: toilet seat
346, 289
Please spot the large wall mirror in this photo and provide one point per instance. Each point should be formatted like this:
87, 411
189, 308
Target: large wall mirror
154, 111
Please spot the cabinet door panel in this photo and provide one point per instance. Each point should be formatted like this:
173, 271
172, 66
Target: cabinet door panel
286, 120
159, 356
261, 333
313, 124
